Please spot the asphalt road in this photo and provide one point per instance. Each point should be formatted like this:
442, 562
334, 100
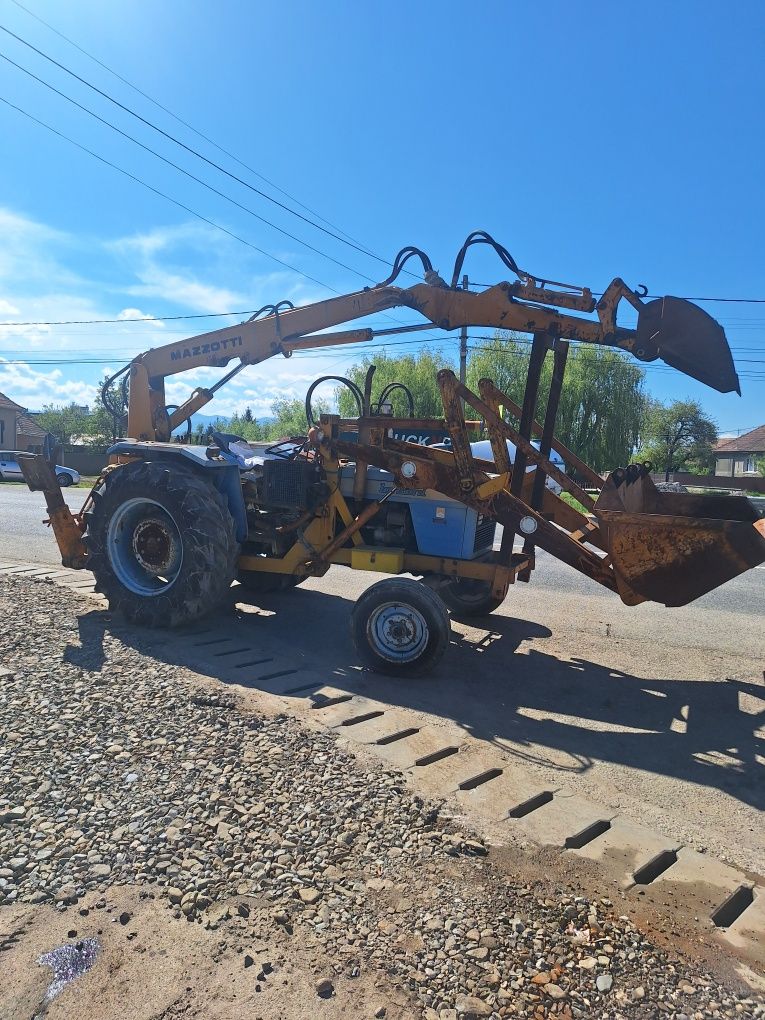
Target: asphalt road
659, 713
23, 536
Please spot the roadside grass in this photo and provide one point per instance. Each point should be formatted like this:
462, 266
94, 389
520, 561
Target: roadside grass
574, 502
84, 483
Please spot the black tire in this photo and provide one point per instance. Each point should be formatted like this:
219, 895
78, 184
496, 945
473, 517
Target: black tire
466, 597
400, 627
64, 479
202, 541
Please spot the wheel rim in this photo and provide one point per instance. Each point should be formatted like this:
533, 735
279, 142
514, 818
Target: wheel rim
397, 632
144, 547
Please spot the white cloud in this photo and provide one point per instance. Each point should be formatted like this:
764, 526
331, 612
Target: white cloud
45, 276
33, 388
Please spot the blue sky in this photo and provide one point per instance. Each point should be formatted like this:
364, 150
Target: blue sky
593, 140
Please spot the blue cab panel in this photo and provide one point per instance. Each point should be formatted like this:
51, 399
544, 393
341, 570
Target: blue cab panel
442, 526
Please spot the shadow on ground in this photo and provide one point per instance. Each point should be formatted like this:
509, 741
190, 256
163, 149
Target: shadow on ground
498, 682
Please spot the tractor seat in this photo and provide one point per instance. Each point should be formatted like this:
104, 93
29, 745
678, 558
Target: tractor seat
235, 450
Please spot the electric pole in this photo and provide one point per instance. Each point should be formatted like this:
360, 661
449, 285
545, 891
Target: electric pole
463, 341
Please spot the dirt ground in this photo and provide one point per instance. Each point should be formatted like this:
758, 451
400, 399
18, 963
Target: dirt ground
154, 966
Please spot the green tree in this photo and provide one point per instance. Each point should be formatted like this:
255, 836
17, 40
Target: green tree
602, 406
102, 427
290, 419
417, 372
63, 422
679, 437
246, 426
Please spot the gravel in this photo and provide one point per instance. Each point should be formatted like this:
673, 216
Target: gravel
116, 769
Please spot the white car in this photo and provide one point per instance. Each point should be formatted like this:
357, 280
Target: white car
482, 449
10, 470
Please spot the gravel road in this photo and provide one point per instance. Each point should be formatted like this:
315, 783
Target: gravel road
652, 712
121, 771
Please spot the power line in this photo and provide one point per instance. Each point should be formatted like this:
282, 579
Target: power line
144, 318
186, 173
724, 300
745, 374
361, 347
179, 120
167, 198
731, 324
192, 151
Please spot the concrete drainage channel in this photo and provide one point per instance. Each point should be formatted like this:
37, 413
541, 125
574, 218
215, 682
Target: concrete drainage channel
483, 783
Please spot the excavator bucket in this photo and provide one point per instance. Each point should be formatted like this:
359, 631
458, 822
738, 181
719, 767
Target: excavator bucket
685, 337
674, 547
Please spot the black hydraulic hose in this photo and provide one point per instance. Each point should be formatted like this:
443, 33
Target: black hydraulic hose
390, 388
401, 260
481, 237
358, 395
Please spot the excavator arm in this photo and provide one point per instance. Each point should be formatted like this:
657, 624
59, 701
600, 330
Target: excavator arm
670, 328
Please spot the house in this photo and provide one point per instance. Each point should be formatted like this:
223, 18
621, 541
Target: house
18, 430
737, 457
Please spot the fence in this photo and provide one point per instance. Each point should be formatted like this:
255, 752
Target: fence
746, 483
84, 459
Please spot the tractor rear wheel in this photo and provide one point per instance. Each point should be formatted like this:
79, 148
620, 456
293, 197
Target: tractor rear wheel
400, 627
467, 596
161, 543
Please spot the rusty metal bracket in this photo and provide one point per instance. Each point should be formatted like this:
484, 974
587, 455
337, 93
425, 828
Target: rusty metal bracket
41, 477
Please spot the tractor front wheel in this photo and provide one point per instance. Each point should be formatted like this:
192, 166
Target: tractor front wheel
161, 543
400, 627
467, 596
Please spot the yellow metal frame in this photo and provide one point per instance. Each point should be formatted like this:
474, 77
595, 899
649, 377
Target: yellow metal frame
309, 555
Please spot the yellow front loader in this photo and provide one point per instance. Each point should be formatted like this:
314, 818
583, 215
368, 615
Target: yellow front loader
168, 527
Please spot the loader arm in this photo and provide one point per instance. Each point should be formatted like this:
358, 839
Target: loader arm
669, 328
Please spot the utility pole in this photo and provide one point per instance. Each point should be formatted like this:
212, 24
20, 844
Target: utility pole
463, 341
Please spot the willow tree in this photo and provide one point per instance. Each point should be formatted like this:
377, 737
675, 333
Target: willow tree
602, 406
416, 371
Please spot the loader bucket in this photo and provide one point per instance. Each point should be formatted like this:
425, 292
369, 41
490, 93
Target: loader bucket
674, 547
685, 337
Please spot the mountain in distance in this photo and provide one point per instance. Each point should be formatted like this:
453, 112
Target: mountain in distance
209, 419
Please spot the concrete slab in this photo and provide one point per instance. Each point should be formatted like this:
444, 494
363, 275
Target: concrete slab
563, 820
422, 746
388, 725
276, 677
695, 879
341, 716
446, 777
747, 932
496, 799
624, 848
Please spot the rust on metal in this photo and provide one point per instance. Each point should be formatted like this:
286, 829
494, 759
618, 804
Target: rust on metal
675, 547
40, 477
443, 476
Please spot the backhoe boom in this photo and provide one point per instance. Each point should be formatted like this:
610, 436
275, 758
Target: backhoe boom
676, 331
